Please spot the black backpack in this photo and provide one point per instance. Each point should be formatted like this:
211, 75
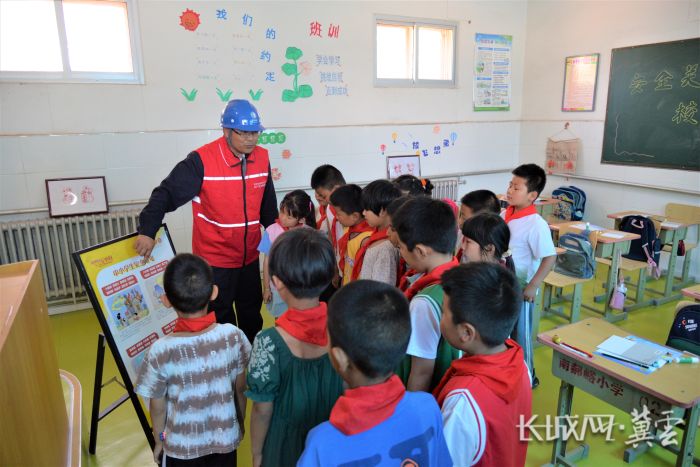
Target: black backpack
648, 245
685, 330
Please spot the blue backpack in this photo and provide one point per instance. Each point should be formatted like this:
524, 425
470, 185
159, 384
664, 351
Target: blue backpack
648, 245
578, 259
572, 203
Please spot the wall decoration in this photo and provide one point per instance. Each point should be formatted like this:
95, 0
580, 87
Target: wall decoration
189, 20
492, 74
76, 196
402, 165
580, 78
255, 95
224, 96
189, 95
298, 91
286, 154
276, 174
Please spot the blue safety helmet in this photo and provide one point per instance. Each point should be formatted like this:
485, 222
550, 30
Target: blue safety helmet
241, 115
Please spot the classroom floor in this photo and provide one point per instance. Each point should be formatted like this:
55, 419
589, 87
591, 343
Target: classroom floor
121, 441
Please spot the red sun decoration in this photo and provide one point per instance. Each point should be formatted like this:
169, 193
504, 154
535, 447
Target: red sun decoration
189, 20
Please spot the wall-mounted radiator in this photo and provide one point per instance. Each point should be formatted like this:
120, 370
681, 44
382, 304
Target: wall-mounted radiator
445, 188
52, 241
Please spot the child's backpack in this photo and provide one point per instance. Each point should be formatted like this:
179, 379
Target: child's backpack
571, 205
578, 259
648, 245
685, 330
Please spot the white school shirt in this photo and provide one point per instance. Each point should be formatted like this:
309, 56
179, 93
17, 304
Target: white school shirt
530, 241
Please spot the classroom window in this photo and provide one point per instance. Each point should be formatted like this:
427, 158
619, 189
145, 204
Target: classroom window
69, 41
414, 53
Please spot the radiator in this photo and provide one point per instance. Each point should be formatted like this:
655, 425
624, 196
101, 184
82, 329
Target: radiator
52, 241
445, 188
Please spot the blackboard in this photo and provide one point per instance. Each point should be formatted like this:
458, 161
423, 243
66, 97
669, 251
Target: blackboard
652, 116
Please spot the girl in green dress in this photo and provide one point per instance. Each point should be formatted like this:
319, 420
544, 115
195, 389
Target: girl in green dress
290, 378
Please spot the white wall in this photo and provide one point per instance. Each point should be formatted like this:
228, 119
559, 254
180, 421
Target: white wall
556, 30
134, 134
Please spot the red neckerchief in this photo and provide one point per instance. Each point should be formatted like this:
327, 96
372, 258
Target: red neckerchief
324, 216
194, 324
402, 274
365, 407
277, 221
377, 235
433, 277
497, 372
306, 325
343, 242
459, 254
512, 215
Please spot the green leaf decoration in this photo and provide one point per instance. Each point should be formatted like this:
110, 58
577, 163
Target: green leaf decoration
305, 91
255, 96
289, 69
263, 138
289, 95
224, 96
293, 53
189, 95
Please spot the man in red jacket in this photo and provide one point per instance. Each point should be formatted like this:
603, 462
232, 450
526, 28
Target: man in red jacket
230, 186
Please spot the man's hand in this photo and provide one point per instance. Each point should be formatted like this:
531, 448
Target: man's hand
144, 245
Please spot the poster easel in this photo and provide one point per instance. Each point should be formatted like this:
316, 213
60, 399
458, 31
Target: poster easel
125, 291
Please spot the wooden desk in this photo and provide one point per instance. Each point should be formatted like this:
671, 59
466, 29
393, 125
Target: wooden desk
673, 387
672, 232
610, 242
544, 205
692, 292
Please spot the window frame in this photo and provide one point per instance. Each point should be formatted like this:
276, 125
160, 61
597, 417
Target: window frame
416, 23
99, 77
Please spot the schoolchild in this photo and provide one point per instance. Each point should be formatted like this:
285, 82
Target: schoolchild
194, 377
486, 394
427, 234
296, 210
347, 202
377, 258
532, 247
478, 201
376, 421
413, 186
290, 377
486, 237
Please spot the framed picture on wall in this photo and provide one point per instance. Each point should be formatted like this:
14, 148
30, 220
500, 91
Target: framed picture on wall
402, 165
580, 80
76, 196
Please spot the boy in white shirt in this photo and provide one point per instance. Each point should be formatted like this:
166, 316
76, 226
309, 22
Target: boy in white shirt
531, 246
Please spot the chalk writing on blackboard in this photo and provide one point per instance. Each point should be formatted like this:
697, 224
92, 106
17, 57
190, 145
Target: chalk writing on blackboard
189, 20
292, 68
685, 113
621, 152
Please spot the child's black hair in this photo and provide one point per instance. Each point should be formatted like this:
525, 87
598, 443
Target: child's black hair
188, 282
534, 175
427, 221
378, 195
370, 321
303, 259
487, 228
326, 176
298, 205
414, 186
348, 198
396, 204
485, 295
482, 200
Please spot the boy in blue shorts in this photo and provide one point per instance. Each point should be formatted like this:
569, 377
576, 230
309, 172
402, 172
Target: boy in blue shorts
376, 421
531, 246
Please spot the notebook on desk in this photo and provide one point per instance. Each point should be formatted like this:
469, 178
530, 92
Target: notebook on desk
636, 353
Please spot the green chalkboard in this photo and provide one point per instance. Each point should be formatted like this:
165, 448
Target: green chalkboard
652, 118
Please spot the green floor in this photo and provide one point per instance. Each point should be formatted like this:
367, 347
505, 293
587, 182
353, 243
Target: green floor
121, 441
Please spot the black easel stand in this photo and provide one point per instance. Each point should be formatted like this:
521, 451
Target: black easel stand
98, 415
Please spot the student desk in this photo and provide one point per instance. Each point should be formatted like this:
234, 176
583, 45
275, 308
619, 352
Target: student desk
544, 206
672, 232
673, 387
692, 292
610, 243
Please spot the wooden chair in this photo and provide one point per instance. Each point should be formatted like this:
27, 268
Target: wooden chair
630, 266
690, 215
